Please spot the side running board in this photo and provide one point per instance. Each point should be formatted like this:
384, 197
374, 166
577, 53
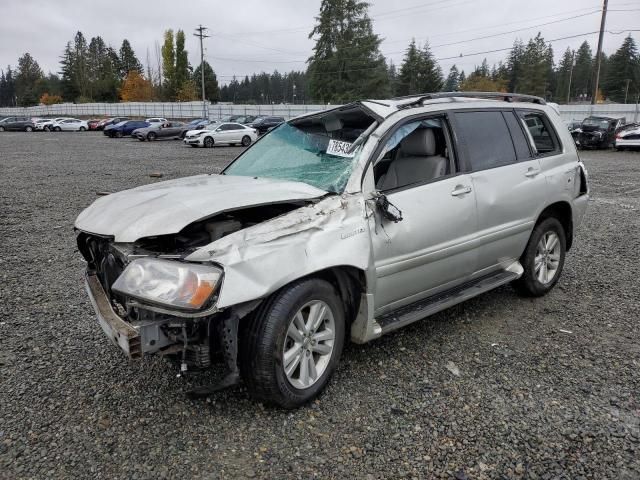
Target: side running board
423, 308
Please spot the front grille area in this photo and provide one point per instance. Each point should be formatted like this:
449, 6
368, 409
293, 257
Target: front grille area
100, 257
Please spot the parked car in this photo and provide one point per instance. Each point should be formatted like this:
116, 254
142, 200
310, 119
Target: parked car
222, 133
264, 124
342, 224
599, 131
124, 128
153, 120
163, 130
23, 124
93, 124
46, 124
70, 125
628, 137
110, 121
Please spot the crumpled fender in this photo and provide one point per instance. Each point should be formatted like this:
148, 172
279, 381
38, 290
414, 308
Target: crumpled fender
260, 259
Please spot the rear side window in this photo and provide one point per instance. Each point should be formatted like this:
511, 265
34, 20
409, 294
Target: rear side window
487, 139
517, 135
541, 132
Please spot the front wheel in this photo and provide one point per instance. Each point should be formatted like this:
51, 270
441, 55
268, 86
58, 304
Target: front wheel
292, 344
543, 259
28, 128
118, 134
246, 141
82, 129
47, 129
208, 142
1, 129
151, 136
57, 129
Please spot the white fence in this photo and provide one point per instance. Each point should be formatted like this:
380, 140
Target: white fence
185, 110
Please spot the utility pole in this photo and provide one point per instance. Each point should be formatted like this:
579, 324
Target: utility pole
202, 34
573, 56
603, 20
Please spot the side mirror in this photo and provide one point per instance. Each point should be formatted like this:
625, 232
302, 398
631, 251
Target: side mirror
388, 209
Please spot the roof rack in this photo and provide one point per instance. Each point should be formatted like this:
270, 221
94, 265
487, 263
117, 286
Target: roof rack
507, 97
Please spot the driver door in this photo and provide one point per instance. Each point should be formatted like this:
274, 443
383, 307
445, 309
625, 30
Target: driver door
431, 249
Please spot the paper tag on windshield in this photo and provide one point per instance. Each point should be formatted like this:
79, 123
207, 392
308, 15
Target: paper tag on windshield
339, 149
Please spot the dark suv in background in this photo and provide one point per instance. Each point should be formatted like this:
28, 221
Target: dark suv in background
264, 124
16, 124
599, 131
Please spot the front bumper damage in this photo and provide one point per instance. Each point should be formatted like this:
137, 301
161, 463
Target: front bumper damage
134, 340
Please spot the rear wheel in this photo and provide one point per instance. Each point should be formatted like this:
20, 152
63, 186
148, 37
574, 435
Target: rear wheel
543, 259
1, 129
292, 344
246, 141
208, 142
47, 128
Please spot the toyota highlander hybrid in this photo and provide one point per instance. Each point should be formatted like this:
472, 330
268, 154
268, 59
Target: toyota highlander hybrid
341, 225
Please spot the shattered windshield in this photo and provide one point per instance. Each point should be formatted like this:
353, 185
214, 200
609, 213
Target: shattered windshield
317, 154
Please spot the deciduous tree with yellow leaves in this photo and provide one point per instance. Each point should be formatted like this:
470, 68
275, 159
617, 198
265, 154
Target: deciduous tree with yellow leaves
136, 88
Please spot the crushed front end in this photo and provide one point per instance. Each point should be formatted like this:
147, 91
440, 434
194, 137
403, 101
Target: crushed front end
178, 319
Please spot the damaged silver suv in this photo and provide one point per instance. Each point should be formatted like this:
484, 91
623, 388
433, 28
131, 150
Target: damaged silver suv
344, 224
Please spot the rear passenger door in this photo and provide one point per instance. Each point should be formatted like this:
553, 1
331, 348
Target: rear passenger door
507, 180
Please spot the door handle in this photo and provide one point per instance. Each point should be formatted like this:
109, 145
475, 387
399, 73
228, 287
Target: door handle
532, 172
461, 190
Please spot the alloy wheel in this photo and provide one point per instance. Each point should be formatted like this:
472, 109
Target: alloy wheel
308, 345
547, 259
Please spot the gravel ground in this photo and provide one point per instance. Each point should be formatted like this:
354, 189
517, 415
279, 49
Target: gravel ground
499, 387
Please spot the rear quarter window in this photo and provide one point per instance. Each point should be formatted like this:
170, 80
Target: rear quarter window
486, 138
542, 134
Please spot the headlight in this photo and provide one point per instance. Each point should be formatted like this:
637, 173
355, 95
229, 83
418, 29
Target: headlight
171, 283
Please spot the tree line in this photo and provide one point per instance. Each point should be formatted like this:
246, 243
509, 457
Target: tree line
346, 64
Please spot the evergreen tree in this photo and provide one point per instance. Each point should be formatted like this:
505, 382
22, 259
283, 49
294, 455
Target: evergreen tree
212, 91
419, 72
515, 66
81, 75
623, 70
410, 71
564, 73
451, 84
128, 60
29, 81
69, 88
392, 72
7, 88
536, 69
582, 73
346, 63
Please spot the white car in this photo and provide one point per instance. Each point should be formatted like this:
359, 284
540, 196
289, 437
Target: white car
628, 137
70, 125
156, 120
46, 124
222, 133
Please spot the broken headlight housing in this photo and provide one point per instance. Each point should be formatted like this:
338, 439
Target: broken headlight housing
175, 284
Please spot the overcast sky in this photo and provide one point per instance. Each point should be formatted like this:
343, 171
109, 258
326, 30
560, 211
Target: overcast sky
256, 35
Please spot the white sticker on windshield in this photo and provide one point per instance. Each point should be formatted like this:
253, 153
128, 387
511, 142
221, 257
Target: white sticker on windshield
339, 149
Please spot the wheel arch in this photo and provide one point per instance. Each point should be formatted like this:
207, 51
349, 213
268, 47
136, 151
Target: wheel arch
563, 213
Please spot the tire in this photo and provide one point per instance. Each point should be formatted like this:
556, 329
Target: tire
118, 135
1, 129
151, 136
208, 142
57, 129
246, 141
533, 283
142, 139
182, 135
82, 129
266, 336
47, 128
28, 128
